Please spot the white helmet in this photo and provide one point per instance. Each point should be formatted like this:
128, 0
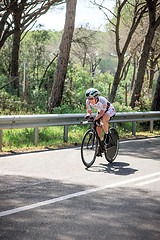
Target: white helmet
92, 92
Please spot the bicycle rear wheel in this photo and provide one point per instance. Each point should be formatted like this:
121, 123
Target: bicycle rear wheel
89, 148
112, 151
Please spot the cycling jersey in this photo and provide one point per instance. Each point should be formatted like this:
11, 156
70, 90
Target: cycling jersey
101, 104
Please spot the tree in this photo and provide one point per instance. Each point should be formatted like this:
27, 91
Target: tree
17, 10
154, 57
31, 11
63, 58
154, 22
5, 23
39, 48
139, 8
156, 98
138, 14
15, 17
84, 41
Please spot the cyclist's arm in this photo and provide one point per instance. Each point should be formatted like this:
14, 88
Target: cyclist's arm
100, 114
89, 110
89, 113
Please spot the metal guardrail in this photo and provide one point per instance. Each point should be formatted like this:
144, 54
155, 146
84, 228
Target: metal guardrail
49, 120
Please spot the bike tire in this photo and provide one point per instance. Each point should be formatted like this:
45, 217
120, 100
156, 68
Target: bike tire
89, 148
112, 152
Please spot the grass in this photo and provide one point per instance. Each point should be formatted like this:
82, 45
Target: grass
52, 137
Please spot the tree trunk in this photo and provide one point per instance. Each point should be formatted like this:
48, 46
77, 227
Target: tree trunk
156, 98
116, 79
61, 70
153, 24
84, 59
15, 58
3, 36
142, 67
17, 14
134, 72
153, 63
151, 75
121, 53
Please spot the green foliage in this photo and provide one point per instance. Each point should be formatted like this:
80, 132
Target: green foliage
68, 109
102, 83
20, 138
12, 105
145, 100
5, 58
52, 137
39, 48
121, 107
48, 137
4, 81
108, 64
77, 82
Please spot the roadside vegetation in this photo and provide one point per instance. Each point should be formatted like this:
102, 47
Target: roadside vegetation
21, 140
108, 61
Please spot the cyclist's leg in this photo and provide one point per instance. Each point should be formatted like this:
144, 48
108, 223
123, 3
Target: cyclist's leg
99, 130
105, 119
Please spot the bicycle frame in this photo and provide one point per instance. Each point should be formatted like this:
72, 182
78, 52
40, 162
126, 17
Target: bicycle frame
99, 140
97, 136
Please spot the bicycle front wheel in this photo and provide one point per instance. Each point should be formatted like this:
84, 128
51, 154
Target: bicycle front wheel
112, 151
89, 148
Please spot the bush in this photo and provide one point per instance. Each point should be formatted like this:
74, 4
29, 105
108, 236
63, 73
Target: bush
12, 105
121, 107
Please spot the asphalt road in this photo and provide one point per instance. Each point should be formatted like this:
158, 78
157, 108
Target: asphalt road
51, 195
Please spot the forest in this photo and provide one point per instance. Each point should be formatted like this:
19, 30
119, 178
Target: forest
46, 71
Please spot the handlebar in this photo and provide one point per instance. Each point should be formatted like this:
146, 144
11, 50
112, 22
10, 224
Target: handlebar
90, 120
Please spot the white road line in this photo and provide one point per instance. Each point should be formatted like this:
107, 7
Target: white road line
121, 142
58, 199
139, 140
148, 182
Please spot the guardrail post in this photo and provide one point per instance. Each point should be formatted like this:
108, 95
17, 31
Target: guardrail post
134, 128
151, 126
36, 136
65, 136
1, 134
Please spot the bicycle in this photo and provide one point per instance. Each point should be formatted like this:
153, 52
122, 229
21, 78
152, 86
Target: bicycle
92, 144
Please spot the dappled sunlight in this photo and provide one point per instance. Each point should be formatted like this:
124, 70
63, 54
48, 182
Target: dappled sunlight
148, 149
102, 215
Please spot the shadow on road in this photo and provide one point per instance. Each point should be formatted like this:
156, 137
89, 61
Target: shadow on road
117, 168
119, 213
146, 149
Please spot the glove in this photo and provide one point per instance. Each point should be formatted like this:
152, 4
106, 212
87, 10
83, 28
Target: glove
91, 119
86, 117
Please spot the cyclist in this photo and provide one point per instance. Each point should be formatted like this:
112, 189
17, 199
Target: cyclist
105, 111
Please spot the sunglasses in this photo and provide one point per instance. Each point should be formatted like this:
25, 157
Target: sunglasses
90, 98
